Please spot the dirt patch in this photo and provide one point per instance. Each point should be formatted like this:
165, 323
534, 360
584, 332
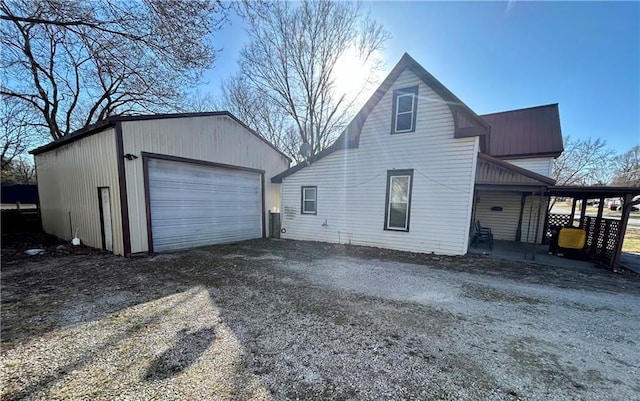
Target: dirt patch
489, 294
298, 320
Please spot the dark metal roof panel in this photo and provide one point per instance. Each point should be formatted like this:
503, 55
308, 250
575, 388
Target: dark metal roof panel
525, 132
593, 192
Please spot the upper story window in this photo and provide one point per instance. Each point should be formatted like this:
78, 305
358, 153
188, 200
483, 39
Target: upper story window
309, 200
405, 103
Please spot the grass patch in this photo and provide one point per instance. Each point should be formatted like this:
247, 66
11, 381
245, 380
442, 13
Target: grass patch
631, 240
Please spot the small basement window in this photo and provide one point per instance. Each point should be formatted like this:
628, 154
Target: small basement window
309, 200
405, 103
398, 205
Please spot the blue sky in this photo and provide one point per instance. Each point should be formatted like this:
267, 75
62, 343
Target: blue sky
499, 56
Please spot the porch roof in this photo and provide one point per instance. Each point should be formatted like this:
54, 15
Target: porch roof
593, 192
491, 171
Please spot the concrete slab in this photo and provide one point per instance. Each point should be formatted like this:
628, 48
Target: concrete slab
511, 250
630, 261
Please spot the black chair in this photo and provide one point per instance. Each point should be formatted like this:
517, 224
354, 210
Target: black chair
482, 234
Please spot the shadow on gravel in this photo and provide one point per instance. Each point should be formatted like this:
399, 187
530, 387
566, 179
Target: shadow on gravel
74, 285
83, 359
188, 349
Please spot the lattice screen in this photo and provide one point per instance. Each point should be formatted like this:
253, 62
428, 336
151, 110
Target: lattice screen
600, 248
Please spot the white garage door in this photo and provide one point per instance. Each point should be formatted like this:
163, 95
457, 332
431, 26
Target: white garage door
193, 205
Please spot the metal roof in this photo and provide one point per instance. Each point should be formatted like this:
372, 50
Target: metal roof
534, 131
593, 192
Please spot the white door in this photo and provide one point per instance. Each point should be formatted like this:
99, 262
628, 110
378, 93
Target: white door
194, 205
107, 233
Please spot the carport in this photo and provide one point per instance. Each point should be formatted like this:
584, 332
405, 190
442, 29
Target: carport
604, 236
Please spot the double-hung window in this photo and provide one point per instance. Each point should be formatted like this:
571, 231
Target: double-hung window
405, 103
309, 200
398, 204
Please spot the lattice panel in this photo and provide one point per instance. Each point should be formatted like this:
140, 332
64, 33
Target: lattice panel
611, 238
600, 248
561, 220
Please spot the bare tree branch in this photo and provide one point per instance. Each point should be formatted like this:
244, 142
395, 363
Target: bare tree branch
75, 61
289, 69
627, 168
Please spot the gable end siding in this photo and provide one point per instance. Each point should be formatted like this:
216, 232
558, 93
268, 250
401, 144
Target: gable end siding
540, 165
352, 182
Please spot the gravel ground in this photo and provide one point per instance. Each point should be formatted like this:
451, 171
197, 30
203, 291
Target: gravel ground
279, 320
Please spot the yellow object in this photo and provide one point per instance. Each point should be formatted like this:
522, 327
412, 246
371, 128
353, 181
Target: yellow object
572, 238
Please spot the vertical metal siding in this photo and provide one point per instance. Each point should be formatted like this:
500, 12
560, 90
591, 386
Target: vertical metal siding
352, 182
68, 181
216, 139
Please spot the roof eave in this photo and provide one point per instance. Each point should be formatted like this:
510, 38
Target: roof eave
74, 136
527, 173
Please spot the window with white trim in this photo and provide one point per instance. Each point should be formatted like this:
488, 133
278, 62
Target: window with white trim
398, 204
405, 104
309, 200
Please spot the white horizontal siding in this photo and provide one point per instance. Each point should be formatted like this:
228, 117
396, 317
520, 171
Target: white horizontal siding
504, 224
352, 183
193, 205
540, 165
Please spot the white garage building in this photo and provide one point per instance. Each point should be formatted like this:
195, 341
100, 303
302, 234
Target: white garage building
136, 184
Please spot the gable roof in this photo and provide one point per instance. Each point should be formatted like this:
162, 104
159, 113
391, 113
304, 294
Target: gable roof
493, 171
111, 121
533, 131
467, 123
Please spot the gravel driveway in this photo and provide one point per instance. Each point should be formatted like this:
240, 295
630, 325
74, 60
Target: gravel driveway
278, 320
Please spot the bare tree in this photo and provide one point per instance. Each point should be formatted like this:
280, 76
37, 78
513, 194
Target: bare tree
288, 70
583, 162
627, 168
16, 131
74, 62
266, 117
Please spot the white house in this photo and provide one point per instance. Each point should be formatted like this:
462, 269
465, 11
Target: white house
414, 169
134, 184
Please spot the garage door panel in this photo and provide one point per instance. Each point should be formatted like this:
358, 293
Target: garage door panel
194, 205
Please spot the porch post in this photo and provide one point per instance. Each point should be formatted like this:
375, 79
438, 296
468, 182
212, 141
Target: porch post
583, 212
523, 198
596, 233
528, 226
573, 211
535, 239
626, 211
